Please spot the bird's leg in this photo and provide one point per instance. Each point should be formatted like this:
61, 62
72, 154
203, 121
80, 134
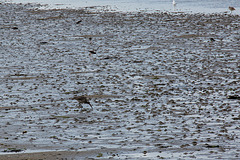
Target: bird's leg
80, 105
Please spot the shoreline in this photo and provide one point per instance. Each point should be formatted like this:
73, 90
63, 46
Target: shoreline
165, 7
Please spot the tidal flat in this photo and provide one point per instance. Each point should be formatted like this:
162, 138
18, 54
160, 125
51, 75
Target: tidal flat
159, 84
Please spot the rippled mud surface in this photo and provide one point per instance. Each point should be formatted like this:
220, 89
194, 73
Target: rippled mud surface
159, 84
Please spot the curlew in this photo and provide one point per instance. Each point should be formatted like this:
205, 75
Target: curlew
82, 100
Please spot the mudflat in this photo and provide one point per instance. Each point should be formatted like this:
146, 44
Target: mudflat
158, 82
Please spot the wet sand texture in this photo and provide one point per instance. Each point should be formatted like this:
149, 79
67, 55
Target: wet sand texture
159, 84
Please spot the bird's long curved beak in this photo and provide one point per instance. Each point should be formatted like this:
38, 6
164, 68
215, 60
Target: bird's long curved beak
90, 105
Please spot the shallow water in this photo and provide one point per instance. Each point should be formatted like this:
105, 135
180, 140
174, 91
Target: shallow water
190, 6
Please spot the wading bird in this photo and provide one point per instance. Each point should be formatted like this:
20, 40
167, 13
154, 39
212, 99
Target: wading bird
81, 100
231, 9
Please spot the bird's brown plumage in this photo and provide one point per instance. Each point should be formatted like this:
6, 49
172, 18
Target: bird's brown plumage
82, 99
231, 8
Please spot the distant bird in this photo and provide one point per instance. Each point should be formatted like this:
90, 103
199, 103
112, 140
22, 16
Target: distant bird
81, 100
231, 9
174, 3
